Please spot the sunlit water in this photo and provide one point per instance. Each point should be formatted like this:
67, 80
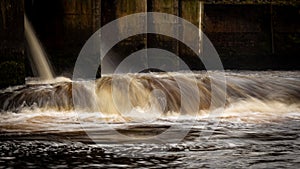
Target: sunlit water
37, 54
259, 126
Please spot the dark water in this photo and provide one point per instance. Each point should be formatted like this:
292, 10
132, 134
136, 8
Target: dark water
254, 130
233, 145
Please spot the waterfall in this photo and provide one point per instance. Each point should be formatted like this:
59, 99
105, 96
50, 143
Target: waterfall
153, 92
37, 53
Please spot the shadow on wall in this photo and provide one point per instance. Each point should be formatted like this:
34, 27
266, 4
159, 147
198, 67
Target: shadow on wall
12, 69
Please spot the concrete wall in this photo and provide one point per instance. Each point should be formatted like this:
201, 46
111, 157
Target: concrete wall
240, 33
12, 69
116, 9
286, 21
247, 34
259, 37
63, 26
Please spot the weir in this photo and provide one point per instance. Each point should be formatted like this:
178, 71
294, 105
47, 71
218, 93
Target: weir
40, 121
150, 119
136, 90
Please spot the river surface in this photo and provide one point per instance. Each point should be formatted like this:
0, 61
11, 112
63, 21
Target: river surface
63, 124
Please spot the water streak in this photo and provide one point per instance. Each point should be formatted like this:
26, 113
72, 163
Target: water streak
37, 53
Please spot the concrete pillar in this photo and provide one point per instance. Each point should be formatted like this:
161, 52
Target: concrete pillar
12, 69
163, 42
112, 10
192, 11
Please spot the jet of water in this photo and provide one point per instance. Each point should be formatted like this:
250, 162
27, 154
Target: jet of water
37, 53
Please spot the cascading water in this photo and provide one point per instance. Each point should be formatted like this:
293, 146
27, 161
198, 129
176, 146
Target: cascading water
37, 53
58, 96
260, 122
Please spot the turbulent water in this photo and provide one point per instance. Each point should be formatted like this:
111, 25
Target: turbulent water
151, 120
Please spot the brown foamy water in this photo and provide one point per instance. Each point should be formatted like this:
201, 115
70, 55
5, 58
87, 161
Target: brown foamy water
257, 127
